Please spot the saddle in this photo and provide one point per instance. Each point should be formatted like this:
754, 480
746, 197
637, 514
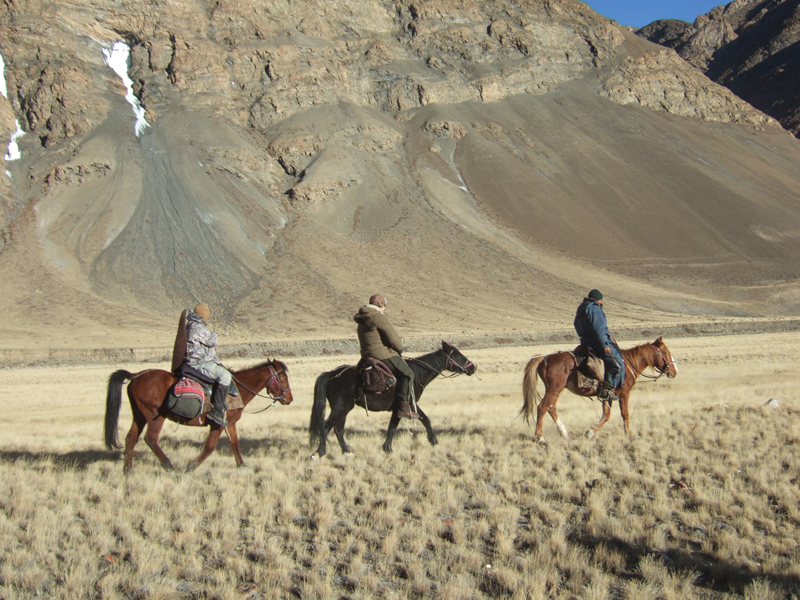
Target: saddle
374, 377
590, 367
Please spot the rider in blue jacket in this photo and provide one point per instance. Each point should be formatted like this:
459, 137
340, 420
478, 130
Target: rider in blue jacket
590, 324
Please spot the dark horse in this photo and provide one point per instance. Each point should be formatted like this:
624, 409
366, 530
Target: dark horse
558, 371
339, 387
147, 392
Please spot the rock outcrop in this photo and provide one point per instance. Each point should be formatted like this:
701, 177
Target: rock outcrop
750, 46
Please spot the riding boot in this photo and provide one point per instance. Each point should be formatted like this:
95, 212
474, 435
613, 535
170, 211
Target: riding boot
218, 406
405, 411
606, 393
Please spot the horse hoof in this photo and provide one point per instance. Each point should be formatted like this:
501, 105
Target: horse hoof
314, 456
541, 441
348, 454
590, 435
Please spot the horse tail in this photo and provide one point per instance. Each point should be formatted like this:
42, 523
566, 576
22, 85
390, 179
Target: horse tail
318, 411
530, 395
113, 401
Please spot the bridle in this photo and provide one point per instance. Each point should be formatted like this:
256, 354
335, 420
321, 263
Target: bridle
661, 372
450, 365
273, 376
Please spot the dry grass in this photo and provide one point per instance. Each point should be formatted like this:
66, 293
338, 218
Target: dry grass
702, 502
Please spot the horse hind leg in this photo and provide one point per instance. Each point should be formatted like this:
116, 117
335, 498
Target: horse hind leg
561, 428
545, 406
151, 438
139, 422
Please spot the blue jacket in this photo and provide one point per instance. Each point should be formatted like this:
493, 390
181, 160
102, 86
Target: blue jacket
591, 327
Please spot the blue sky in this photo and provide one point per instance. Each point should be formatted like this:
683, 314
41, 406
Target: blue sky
639, 13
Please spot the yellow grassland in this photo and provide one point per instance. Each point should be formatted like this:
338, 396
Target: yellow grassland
701, 502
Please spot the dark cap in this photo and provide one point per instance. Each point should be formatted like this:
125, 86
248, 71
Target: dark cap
595, 295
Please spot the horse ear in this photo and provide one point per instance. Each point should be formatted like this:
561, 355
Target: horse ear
660, 339
445, 345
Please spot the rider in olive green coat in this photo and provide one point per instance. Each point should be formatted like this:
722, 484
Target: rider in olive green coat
379, 340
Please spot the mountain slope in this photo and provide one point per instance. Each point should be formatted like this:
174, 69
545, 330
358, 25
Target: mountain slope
483, 164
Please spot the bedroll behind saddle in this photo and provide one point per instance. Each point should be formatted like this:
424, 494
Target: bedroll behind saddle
374, 377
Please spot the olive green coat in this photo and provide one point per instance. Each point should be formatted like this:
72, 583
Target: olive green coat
377, 337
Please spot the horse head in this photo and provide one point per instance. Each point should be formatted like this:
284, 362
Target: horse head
278, 383
662, 359
457, 362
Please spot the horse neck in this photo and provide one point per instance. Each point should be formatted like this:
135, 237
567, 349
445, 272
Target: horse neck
254, 378
435, 362
640, 357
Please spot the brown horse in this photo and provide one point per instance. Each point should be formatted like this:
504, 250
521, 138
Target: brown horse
147, 392
558, 371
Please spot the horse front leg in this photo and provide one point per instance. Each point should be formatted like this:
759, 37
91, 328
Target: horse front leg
151, 438
395, 420
211, 443
233, 437
623, 409
428, 427
603, 420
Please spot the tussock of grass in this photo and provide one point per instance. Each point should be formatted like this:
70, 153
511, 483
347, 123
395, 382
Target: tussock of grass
702, 502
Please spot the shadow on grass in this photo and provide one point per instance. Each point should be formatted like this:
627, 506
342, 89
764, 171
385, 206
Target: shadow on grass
714, 574
79, 459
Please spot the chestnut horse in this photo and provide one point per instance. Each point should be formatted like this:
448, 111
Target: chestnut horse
339, 388
147, 392
558, 372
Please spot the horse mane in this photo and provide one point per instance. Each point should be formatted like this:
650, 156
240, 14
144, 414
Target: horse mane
639, 352
265, 364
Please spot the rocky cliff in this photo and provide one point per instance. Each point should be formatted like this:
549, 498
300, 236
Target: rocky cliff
465, 157
750, 46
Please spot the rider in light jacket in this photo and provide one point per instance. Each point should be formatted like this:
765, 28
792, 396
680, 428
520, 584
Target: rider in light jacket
201, 354
592, 329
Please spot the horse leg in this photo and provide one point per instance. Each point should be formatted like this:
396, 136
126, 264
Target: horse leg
561, 428
547, 402
393, 422
139, 421
336, 422
603, 420
211, 443
623, 409
233, 436
151, 437
428, 427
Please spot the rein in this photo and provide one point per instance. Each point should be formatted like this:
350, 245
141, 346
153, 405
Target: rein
268, 396
458, 369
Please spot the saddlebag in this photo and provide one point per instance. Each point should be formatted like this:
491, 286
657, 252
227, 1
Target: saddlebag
374, 377
186, 398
